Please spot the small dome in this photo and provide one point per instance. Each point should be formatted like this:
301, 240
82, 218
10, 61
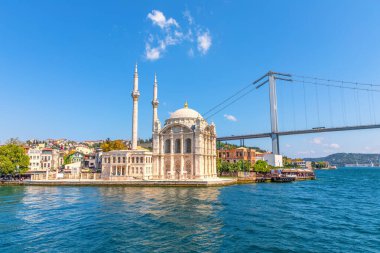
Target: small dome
185, 113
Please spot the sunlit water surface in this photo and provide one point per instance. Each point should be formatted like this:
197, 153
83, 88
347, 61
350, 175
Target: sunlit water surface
338, 212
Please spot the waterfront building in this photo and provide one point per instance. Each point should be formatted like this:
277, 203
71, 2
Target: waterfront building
49, 159
73, 168
127, 164
76, 157
184, 148
135, 163
89, 161
34, 159
273, 160
237, 154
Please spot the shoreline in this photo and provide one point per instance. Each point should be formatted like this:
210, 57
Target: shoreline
144, 183
134, 183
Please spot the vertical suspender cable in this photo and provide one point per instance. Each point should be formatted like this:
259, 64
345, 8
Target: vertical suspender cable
304, 101
317, 96
330, 107
343, 104
358, 103
294, 110
370, 107
373, 104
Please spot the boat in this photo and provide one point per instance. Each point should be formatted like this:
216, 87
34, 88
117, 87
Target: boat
282, 179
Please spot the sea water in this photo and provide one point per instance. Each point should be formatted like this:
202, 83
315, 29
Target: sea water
338, 212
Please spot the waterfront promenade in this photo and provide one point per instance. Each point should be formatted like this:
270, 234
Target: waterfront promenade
141, 183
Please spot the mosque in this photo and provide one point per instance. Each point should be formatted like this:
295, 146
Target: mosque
184, 148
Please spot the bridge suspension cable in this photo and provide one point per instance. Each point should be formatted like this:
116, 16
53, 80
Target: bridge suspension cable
228, 99
333, 85
336, 81
230, 103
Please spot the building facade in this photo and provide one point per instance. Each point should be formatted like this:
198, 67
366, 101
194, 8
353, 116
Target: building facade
127, 165
237, 154
34, 159
184, 148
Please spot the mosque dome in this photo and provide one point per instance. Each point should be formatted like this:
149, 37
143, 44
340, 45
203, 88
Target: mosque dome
185, 112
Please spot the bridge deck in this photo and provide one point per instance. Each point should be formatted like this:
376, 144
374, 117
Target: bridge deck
308, 131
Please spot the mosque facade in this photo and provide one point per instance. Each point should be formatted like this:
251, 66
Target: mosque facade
184, 148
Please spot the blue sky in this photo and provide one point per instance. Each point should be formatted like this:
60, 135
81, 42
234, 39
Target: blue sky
66, 67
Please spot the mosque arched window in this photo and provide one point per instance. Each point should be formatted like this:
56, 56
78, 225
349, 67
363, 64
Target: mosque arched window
188, 145
177, 147
167, 146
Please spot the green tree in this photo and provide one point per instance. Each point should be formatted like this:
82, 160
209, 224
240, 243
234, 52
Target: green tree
262, 166
13, 159
67, 157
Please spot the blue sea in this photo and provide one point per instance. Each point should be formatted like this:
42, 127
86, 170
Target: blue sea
338, 212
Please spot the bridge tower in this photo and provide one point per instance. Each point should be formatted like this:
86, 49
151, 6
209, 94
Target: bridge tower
273, 113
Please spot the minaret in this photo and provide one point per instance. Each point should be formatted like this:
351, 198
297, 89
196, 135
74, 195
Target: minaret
135, 95
154, 102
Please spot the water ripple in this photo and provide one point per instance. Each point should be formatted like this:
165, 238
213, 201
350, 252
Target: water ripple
339, 212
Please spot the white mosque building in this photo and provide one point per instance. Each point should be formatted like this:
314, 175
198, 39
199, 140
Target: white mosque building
184, 148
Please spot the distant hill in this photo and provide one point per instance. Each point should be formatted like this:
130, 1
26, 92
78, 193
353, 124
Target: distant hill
340, 159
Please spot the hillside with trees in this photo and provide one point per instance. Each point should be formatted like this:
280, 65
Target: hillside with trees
341, 159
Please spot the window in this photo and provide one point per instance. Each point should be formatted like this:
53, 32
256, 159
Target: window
141, 159
129, 160
118, 159
177, 147
188, 145
124, 159
167, 146
114, 159
133, 160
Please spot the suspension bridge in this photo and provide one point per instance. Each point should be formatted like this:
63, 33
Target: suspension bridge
357, 103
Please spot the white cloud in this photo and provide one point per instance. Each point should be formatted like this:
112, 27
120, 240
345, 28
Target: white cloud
188, 16
204, 42
230, 117
152, 53
317, 140
172, 34
158, 18
306, 152
288, 145
334, 146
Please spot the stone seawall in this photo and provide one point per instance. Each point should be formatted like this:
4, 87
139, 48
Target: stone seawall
137, 183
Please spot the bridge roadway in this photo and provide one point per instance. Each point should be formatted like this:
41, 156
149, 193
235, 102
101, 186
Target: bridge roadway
309, 131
